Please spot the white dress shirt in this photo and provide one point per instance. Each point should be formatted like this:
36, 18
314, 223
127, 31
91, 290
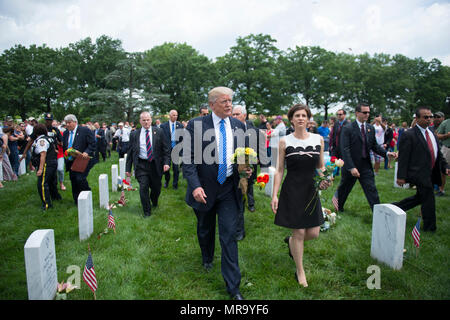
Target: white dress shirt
143, 143
229, 133
433, 140
123, 134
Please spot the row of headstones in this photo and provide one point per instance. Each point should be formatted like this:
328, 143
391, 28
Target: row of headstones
40, 257
388, 235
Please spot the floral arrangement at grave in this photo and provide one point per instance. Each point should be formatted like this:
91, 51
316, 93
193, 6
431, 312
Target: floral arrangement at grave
125, 185
63, 289
244, 157
327, 174
330, 219
261, 180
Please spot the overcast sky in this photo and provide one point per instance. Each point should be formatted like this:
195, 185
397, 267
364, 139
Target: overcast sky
415, 28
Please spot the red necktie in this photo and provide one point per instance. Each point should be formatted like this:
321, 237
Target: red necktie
430, 146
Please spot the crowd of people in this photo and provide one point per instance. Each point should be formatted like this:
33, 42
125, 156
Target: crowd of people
422, 149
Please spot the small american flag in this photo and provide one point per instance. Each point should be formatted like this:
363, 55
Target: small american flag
89, 274
111, 220
416, 234
335, 201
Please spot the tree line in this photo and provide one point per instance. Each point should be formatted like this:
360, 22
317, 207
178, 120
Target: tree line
101, 81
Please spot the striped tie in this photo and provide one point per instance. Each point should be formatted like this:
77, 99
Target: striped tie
149, 146
222, 174
173, 135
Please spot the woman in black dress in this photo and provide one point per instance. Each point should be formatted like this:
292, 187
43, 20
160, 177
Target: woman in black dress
298, 207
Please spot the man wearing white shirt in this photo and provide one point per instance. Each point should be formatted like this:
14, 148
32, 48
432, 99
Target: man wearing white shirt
276, 134
213, 187
150, 155
123, 133
170, 129
421, 163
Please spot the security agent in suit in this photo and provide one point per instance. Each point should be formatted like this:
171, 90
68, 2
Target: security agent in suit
170, 128
150, 155
240, 113
336, 133
213, 185
100, 142
357, 139
421, 163
82, 139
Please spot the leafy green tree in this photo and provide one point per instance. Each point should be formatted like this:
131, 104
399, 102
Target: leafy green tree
251, 70
180, 72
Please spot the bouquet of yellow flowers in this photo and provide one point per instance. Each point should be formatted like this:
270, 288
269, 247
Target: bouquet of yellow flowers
244, 157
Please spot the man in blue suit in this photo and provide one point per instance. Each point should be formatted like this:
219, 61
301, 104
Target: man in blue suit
213, 183
81, 139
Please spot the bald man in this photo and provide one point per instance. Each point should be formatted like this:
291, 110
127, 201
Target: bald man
169, 129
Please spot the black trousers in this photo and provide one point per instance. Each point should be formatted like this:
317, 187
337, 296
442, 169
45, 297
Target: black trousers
425, 198
147, 176
122, 148
367, 182
176, 174
226, 208
47, 184
79, 183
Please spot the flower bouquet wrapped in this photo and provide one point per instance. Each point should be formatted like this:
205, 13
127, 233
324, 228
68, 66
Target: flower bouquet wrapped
71, 153
244, 157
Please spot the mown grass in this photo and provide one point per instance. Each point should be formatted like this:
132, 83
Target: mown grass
159, 257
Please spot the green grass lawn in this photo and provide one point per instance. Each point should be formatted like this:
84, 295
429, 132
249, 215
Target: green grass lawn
159, 257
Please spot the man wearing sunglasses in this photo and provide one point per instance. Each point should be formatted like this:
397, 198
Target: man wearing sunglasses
357, 140
421, 163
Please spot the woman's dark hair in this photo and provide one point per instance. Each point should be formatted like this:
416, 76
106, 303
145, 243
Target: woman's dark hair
8, 130
298, 107
40, 129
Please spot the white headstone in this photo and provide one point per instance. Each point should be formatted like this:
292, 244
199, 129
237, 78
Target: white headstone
114, 176
122, 167
406, 185
103, 190
40, 265
85, 215
274, 157
388, 235
269, 185
1, 170
22, 167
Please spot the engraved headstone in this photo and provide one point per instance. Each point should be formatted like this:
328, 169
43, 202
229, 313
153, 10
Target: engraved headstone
406, 185
103, 191
40, 265
85, 215
114, 176
269, 186
122, 167
388, 235
22, 168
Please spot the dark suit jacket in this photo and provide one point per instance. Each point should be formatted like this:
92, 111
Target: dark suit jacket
84, 141
100, 142
166, 130
205, 175
351, 144
334, 136
160, 149
414, 160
